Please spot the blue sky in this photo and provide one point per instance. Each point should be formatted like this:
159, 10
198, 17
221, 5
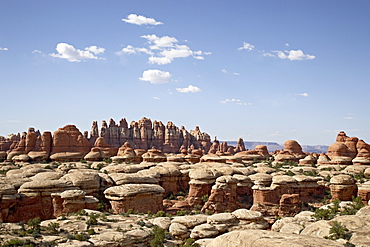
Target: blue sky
260, 70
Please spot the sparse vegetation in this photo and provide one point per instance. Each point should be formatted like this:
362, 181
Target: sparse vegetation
338, 231
159, 236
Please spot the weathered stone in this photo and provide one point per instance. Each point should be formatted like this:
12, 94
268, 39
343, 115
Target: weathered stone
138, 197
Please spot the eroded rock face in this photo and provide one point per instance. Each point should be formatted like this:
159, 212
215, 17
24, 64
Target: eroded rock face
35, 200
72, 201
101, 150
146, 134
69, 144
223, 196
138, 197
343, 187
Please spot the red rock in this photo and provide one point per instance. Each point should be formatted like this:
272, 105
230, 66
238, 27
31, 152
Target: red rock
69, 144
223, 196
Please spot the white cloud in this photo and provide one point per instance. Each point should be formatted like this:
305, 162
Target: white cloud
246, 46
349, 118
36, 51
303, 94
226, 72
286, 44
230, 100
291, 55
189, 89
168, 49
156, 98
141, 20
72, 54
160, 42
94, 49
3, 49
134, 50
156, 76
236, 101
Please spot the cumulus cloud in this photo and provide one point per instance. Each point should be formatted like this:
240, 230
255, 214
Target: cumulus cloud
67, 51
36, 51
156, 98
189, 89
246, 46
236, 101
292, 55
303, 94
3, 49
286, 44
134, 50
160, 42
163, 50
156, 76
141, 20
94, 49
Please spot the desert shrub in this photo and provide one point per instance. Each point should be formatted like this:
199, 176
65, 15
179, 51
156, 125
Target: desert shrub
338, 231
91, 231
34, 225
81, 237
205, 198
353, 207
18, 242
160, 214
53, 227
159, 236
180, 213
108, 161
289, 173
189, 242
329, 213
93, 219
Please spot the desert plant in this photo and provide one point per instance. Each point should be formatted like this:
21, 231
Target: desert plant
53, 227
338, 231
159, 236
34, 225
93, 219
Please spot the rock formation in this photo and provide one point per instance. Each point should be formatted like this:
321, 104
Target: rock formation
69, 144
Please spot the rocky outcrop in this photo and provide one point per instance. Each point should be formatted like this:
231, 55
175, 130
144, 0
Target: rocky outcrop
223, 196
69, 144
100, 151
343, 187
72, 201
146, 134
138, 197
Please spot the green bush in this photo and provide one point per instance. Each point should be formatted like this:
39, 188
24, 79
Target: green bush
53, 227
34, 225
81, 237
18, 242
159, 236
338, 231
93, 219
205, 198
329, 213
91, 231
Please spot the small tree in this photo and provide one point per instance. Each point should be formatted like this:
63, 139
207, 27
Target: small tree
338, 231
34, 224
